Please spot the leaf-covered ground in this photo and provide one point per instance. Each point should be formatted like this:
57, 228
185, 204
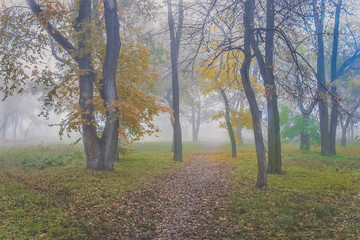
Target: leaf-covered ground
179, 206
45, 193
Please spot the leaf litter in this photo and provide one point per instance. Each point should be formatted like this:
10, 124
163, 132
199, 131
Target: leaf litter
184, 205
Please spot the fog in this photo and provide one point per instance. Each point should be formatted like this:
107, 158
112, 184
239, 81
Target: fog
21, 122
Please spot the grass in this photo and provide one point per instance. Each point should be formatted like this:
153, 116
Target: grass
316, 197
46, 193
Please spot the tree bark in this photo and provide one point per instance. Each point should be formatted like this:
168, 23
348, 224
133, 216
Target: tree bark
198, 119
175, 37
250, 95
169, 100
195, 121
345, 126
305, 136
90, 139
305, 114
16, 121
109, 138
319, 15
334, 99
100, 152
193, 124
267, 72
239, 135
228, 124
227, 111
4, 127
343, 137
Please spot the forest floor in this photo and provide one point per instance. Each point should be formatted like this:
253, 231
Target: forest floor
180, 206
46, 193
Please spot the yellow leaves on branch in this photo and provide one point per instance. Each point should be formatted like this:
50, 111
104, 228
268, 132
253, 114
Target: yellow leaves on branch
240, 118
136, 87
216, 74
135, 84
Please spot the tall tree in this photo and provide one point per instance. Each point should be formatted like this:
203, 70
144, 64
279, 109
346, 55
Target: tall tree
333, 90
175, 38
319, 16
219, 75
249, 11
328, 126
100, 152
266, 66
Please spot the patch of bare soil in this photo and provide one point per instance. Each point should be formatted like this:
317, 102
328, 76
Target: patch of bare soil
180, 206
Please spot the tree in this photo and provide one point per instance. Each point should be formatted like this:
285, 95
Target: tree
216, 75
266, 66
100, 152
249, 11
239, 46
175, 38
333, 90
19, 114
195, 106
110, 90
345, 119
294, 124
328, 125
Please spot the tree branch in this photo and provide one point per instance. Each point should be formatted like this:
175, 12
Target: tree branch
55, 34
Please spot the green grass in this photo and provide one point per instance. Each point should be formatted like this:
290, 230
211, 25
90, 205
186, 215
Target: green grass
46, 193
316, 197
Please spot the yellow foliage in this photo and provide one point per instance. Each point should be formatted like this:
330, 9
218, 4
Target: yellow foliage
222, 72
135, 82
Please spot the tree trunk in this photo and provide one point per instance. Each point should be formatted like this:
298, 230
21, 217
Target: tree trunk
322, 89
100, 152
274, 141
175, 37
305, 136
4, 127
305, 114
198, 120
304, 141
250, 95
343, 137
239, 135
16, 121
195, 123
110, 136
169, 100
90, 139
229, 125
334, 100
267, 72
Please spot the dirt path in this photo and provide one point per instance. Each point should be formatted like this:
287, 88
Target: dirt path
181, 206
